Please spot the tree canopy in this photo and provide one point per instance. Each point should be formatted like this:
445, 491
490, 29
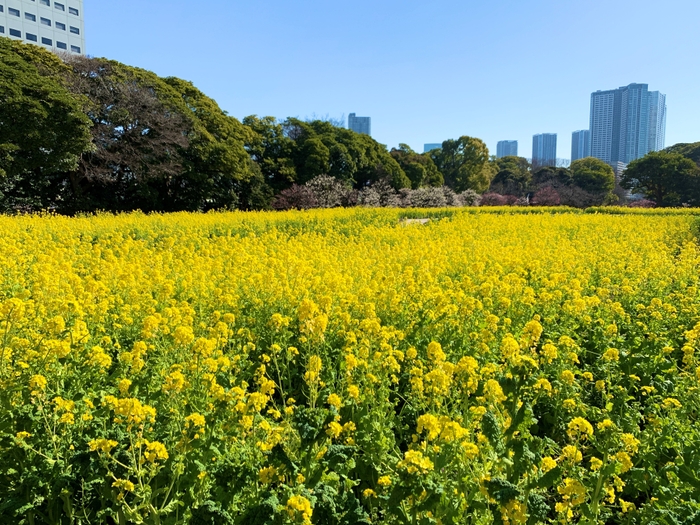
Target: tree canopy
43, 128
464, 163
160, 144
691, 151
419, 168
593, 175
355, 159
90, 134
669, 179
513, 176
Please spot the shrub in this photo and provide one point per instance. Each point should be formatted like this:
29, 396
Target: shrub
547, 196
493, 199
427, 198
470, 198
642, 203
295, 197
329, 192
379, 195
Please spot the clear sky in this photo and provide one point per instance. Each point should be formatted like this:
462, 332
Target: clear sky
424, 71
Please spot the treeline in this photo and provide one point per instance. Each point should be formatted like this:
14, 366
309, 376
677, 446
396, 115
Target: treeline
84, 134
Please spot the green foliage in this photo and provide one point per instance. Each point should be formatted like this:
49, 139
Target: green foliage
419, 168
161, 143
691, 151
272, 150
669, 179
216, 159
464, 163
513, 176
96, 134
555, 177
33, 107
593, 175
355, 159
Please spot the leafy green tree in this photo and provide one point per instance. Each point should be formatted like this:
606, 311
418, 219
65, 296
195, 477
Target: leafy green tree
513, 176
216, 164
593, 175
316, 157
357, 160
691, 151
43, 128
464, 163
272, 150
669, 179
419, 168
551, 176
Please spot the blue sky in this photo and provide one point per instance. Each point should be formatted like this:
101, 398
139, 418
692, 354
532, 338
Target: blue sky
424, 71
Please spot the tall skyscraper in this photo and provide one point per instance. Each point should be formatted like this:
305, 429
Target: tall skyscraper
431, 146
360, 124
634, 122
57, 26
506, 148
605, 125
627, 123
580, 144
544, 150
657, 121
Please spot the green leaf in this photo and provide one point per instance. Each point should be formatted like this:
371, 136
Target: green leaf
546, 481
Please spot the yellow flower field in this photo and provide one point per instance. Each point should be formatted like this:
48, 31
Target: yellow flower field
344, 367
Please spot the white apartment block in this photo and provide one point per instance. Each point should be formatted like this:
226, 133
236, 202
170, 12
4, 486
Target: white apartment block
54, 25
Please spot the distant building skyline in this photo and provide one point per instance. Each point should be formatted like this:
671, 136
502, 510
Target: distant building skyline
360, 124
506, 148
627, 123
431, 146
544, 150
580, 144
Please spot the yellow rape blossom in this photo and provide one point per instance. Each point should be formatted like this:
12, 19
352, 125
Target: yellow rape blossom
493, 392
300, 505
335, 401
548, 463
175, 382
414, 462
313, 369
571, 454
267, 474
155, 451
612, 354
124, 485
579, 428
103, 445
384, 481
625, 461
38, 384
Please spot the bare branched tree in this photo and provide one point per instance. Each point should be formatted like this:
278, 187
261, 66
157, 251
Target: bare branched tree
136, 136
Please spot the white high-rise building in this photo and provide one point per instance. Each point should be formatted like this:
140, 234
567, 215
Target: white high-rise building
57, 26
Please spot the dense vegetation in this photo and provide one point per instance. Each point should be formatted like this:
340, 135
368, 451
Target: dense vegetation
93, 134
343, 367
